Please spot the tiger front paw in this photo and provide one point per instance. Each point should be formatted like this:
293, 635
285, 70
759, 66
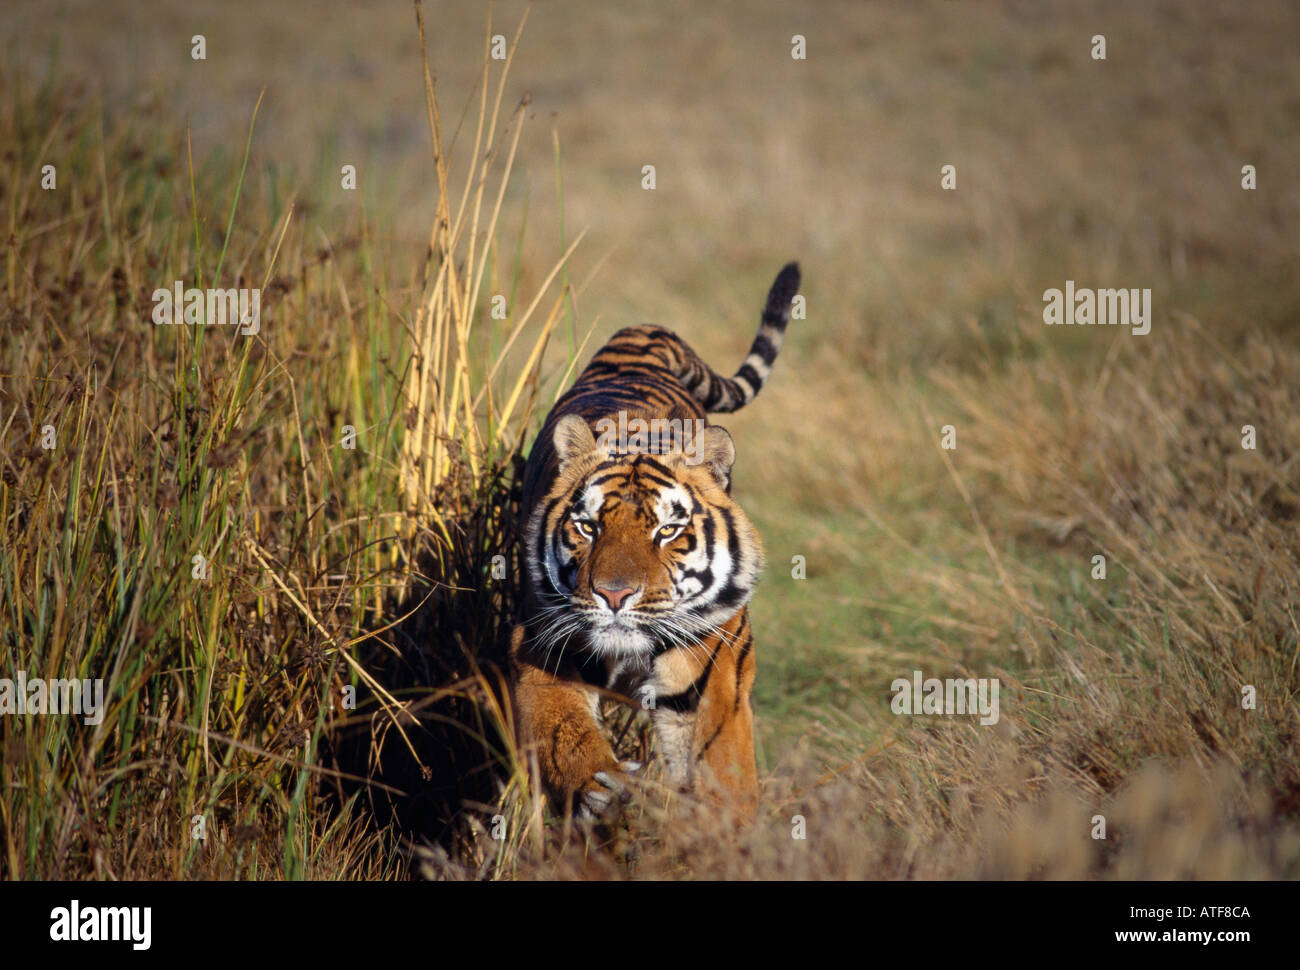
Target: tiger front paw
603, 791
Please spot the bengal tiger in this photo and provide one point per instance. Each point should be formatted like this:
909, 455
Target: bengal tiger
639, 569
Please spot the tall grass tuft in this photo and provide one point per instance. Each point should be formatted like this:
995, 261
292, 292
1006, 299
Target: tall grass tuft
243, 534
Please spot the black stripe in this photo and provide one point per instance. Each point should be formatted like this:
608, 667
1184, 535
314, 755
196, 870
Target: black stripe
730, 595
705, 575
707, 744
608, 476
750, 376
740, 663
714, 395
688, 699
764, 348
642, 475
652, 370
543, 533
645, 461
733, 539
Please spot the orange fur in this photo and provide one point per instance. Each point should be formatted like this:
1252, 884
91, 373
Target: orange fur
640, 568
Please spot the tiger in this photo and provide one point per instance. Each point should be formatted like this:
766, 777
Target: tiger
638, 571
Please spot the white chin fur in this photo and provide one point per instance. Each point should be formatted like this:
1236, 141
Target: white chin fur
619, 641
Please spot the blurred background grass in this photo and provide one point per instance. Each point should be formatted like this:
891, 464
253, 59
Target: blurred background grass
923, 310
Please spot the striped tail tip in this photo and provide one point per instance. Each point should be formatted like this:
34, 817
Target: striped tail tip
753, 373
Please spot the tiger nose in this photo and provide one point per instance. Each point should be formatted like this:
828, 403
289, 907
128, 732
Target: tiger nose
615, 597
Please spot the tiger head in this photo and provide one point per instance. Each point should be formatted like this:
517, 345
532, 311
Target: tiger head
631, 553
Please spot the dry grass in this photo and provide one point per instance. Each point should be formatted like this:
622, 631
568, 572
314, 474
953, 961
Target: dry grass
226, 695
373, 568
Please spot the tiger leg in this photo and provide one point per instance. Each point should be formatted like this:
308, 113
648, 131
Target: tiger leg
723, 749
560, 734
710, 749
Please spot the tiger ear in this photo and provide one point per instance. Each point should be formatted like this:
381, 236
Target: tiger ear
717, 452
572, 438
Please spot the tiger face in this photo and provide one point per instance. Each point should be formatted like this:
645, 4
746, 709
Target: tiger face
634, 553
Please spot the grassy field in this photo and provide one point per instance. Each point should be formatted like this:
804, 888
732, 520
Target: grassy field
336, 571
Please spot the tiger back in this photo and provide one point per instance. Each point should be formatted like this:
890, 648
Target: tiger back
639, 567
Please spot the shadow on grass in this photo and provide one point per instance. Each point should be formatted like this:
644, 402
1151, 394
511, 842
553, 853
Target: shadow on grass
440, 649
